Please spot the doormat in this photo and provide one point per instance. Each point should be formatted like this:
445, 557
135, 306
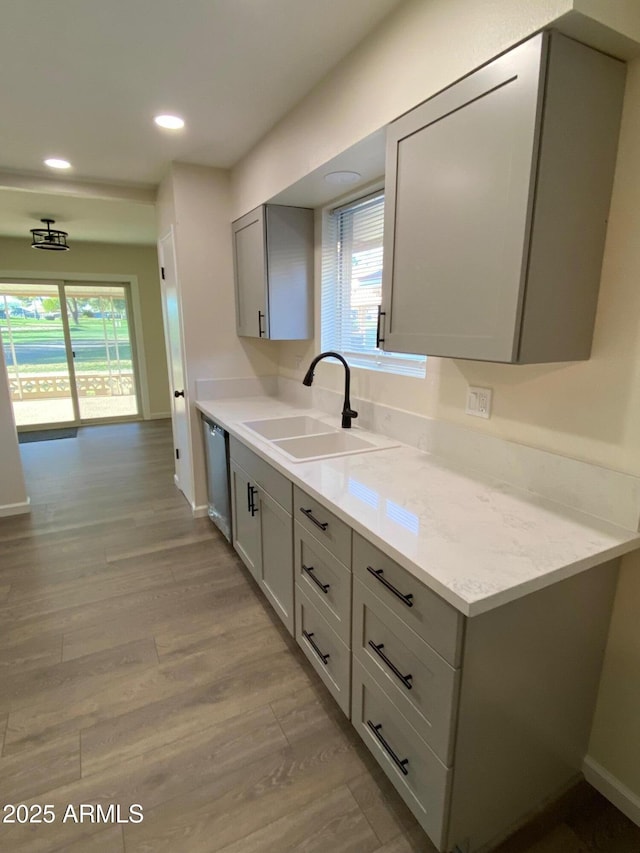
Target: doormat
47, 434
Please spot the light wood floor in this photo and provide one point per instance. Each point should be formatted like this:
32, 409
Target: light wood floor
139, 664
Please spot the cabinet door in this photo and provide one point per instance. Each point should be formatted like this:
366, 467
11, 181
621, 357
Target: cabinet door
275, 571
250, 269
457, 209
245, 521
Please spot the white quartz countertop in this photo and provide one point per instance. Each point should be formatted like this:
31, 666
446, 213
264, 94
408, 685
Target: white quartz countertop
477, 542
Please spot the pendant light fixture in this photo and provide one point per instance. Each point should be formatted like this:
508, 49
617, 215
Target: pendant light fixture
48, 238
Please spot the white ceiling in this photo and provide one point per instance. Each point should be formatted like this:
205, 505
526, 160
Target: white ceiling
96, 219
82, 80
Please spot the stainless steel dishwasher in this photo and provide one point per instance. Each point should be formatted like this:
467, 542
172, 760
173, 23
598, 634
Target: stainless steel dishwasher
216, 445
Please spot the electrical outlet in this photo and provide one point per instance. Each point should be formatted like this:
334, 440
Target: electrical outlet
298, 360
478, 402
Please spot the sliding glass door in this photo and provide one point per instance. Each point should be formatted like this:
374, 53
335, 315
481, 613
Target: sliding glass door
36, 354
98, 317
68, 348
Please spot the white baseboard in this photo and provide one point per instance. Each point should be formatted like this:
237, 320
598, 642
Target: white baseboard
612, 788
159, 416
200, 511
15, 509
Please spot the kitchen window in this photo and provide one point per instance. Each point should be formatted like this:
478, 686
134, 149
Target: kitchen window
352, 287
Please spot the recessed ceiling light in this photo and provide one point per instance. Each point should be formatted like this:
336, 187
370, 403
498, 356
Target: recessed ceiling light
342, 178
169, 122
56, 163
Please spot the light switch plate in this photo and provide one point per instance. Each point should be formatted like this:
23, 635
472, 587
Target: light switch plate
478, 402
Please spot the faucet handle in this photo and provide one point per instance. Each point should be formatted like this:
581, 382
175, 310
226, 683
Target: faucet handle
348, 414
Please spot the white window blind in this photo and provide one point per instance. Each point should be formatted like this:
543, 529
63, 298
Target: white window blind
352, 287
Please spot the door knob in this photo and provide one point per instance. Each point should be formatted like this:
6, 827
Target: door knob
178, 393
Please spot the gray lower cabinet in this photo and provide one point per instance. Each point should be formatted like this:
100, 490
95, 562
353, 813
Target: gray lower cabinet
476, 721
325, 580
420, 683
418, 775
323, 593
275, 567
273, 269
496, 204
245, 525
263, 527
328, 654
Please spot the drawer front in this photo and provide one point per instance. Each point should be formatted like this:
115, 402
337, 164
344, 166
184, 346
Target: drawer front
272, 481
325, 580
328, 655
417, 679
420, 778
432, 618
334, 534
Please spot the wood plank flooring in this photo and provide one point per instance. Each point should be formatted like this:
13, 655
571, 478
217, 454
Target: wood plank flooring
139, 664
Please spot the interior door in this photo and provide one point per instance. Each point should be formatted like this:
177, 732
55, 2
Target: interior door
175, 360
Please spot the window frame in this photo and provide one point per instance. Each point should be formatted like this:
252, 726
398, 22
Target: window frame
333, 302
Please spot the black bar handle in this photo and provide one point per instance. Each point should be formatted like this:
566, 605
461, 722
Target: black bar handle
379, 339
248, 497
308, 636
260, 329
309, 513
378, 573
252, 492
405, 679
401, 763
325, 587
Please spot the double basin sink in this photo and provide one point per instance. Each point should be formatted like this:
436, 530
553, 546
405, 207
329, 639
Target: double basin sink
304, 439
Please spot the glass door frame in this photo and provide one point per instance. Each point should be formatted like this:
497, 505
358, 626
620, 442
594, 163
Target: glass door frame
135, 366
135, 363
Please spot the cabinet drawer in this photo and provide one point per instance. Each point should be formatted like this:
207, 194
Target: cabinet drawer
262, 473
419, 681
432, 618
420, 778
324, 525
328, 655
325, 580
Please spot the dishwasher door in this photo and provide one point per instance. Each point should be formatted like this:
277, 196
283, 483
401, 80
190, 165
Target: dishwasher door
216, 445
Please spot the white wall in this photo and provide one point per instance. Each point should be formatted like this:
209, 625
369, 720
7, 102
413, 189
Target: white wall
196, 200
588, 410
13, 495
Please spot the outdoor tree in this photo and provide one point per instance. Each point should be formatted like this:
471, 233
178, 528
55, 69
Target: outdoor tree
74, 308
51, 304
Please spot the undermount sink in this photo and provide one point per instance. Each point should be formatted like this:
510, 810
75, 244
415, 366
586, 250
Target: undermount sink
275, 428
335, 443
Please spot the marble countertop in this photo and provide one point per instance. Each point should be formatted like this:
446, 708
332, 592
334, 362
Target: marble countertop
477, 542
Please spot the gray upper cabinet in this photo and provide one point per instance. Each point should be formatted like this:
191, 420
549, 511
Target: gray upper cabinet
273, 269
497, 196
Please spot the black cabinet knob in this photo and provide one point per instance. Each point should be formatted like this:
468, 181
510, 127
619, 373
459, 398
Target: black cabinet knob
178, 393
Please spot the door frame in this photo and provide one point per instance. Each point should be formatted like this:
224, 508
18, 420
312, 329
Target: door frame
183, 472
137, 339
